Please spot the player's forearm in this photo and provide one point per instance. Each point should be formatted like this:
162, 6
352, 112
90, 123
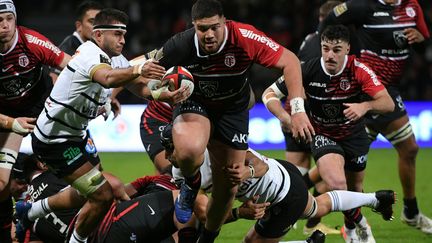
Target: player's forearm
119, 77
293, 77
381, 103
6, 122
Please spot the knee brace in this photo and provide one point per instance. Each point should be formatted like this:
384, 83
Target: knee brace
7, 158
89, 182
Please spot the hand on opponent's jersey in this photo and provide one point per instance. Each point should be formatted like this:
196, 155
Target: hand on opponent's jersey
152, 70
413, 35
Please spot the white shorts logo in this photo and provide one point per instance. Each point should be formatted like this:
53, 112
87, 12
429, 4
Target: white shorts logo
240, 138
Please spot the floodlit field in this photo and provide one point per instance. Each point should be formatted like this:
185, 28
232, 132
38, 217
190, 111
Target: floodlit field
381, 173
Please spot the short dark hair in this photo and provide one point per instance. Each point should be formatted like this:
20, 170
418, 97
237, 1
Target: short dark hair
206, 9
110, 15
328, 6
86, 6
336, 32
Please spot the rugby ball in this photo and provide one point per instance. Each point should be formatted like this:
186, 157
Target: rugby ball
177, 77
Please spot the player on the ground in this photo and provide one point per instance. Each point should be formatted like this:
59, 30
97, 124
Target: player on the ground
219, 54
80, 95
388, 30
333, 86
279, 186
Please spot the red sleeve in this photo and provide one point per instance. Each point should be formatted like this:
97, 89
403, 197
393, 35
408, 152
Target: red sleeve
260, 48
420, 22
46, 52
367, 78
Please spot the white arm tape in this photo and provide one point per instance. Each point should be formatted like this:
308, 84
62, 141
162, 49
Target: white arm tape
17, 128
297, 105
157, 92
277, 91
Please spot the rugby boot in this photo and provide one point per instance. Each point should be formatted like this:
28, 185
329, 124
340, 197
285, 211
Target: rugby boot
386, 199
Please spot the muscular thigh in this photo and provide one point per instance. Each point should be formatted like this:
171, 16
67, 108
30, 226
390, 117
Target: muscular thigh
9, 146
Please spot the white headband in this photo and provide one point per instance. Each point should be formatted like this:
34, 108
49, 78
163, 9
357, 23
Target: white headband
121, 27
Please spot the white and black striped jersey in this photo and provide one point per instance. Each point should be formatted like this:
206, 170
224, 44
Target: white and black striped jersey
76, 99
272, 187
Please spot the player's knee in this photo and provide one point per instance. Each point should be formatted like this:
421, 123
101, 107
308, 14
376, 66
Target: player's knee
337, 184
409, 153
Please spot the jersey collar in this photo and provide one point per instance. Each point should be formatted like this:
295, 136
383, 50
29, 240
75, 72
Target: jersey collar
394, 4
220, 48
78, 37
331, 75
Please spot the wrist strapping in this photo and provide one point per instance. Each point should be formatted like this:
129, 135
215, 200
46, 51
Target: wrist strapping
297, 105
252, 171
157, 92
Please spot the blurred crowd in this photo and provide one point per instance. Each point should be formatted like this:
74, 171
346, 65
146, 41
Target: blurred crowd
152, 22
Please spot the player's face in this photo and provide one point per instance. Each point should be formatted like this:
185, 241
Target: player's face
17, 187
113, 41
210, 32
85, 26
7, 28
333, 53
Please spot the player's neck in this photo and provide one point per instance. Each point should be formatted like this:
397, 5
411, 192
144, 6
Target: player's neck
4, 47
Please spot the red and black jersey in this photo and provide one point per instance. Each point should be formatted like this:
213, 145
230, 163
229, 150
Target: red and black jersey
151, 184
380, 29
158, 110
221, 79
327, 93
21, 68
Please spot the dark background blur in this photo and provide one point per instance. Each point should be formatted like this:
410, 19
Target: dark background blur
152, 22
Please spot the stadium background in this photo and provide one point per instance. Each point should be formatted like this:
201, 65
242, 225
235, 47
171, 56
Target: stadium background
286, 21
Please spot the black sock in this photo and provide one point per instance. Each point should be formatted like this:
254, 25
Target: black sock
313, 221
308, 181
194, 182
207, 236
352, 217
410, 208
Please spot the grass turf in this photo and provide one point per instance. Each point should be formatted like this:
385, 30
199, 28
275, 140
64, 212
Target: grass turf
381, 173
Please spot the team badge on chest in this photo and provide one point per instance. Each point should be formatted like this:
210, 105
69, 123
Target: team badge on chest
410, 12
23, 60
230, 60
345, 84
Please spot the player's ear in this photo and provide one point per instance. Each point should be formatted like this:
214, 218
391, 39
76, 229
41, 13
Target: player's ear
78, 26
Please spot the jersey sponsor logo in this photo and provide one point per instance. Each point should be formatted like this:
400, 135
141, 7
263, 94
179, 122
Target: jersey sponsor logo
133, 237
410, 12
340, 9
318, 84
4, 69
72, 154
90, 146
208, 88
400, 38
46, 44
380, 14
259, 38
104, 59
23, 60
345, 84
152, 212
239, 138
369, 71
322, 141
35, 193
12, 86
330, 110
230, 60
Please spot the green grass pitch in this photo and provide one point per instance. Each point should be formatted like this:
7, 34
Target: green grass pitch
381, 173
